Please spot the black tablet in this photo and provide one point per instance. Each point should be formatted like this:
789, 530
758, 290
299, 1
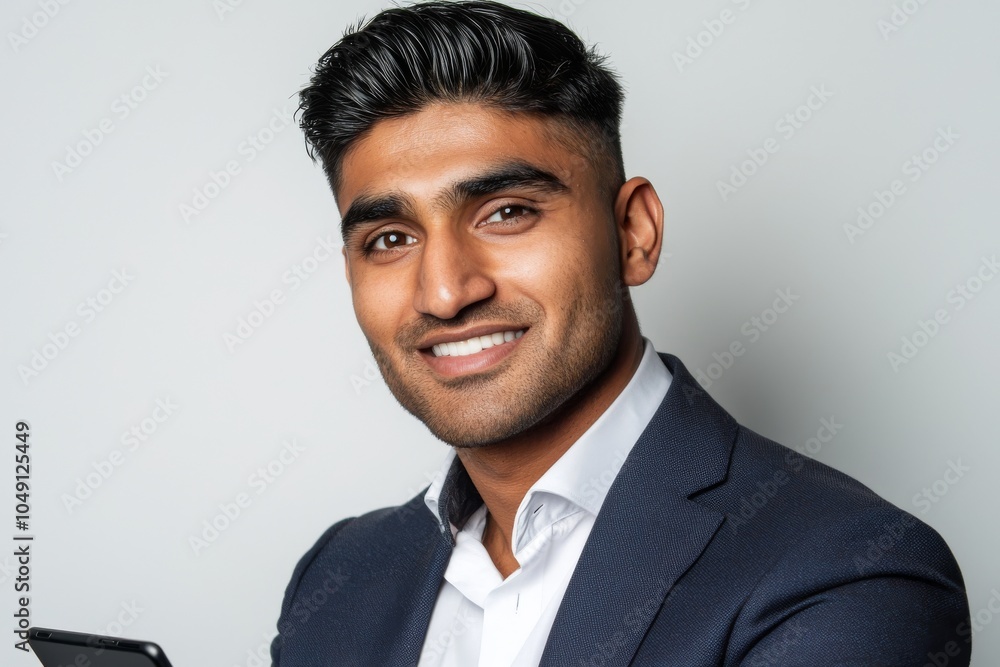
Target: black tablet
58, 648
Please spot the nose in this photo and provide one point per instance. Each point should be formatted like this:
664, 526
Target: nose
453, 275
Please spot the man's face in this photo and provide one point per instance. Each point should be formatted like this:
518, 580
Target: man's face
483, 265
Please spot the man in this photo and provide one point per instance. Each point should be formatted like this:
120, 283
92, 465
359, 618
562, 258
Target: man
592, 510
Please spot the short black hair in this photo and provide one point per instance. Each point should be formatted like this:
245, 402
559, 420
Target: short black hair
510, 59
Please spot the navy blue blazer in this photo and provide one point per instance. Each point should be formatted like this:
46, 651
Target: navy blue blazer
714, 546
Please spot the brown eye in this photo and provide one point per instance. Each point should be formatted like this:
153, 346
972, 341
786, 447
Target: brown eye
507, 213
390, 240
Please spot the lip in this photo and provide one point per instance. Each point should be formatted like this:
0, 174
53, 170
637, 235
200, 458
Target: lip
466, 334
470, 363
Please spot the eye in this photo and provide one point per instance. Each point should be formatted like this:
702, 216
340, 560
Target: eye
510, 213
388, 241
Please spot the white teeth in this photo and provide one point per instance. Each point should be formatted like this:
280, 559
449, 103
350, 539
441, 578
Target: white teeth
474, 345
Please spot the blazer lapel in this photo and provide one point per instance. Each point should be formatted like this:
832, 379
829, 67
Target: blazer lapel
647, 533
415, 599
418, 593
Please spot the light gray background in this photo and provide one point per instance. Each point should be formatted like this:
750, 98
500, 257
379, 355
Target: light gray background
306, 372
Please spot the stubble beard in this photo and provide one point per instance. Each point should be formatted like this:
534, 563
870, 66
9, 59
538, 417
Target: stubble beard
494, 406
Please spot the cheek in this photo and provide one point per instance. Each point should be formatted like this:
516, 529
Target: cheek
552, 270
380, 304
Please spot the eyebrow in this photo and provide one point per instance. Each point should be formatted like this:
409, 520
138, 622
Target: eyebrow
505, 176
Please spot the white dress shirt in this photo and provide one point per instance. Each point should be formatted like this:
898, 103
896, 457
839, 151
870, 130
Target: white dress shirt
480, 618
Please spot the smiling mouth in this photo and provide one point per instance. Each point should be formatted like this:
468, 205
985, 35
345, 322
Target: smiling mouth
476, 344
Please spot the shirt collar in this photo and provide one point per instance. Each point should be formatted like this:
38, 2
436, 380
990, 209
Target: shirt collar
583, 474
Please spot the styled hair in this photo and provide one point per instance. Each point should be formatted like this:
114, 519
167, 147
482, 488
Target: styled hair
479, 51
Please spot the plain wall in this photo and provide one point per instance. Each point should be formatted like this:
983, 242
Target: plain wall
227, 72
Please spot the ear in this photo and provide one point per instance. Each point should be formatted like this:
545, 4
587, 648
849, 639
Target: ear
639, 220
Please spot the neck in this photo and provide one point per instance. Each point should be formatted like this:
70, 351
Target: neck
504, 471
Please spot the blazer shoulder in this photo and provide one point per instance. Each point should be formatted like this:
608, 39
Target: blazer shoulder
826, 528
759, 464
359, 538
348, 558
797, 513
832, 559
306, 560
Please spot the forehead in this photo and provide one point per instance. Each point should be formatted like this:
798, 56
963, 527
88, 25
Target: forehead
421, 152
